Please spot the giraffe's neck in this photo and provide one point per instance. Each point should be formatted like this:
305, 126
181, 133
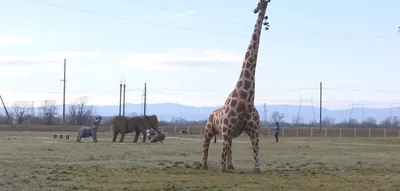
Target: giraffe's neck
246, 80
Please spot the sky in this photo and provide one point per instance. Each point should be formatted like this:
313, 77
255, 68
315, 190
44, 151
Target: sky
191, 52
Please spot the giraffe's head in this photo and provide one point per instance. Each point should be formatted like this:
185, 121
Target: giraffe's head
262, 4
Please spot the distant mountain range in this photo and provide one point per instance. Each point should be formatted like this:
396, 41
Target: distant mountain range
167, 111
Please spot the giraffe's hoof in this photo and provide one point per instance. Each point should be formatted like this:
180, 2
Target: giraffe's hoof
204, 167
230, 167
257, 170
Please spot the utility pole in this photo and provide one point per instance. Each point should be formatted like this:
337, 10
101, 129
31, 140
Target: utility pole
298, 113
314, 121
320, 106
5, 109
265, 114
33, 108
145, 99
64, 82
123, 104
120, 96
351, 111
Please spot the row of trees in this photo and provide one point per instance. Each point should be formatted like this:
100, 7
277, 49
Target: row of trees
78, 113
276, 116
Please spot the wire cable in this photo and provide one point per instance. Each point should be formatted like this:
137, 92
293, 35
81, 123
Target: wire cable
135, 20
180, 12
344, 37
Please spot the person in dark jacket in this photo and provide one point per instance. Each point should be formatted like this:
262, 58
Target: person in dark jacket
276, 131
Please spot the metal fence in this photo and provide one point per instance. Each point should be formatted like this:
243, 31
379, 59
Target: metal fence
301, 132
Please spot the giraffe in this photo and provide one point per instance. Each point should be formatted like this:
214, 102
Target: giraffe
239, 114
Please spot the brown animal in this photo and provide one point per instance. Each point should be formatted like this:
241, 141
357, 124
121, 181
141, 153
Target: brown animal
138, 124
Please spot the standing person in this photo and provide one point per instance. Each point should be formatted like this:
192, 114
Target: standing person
276, 130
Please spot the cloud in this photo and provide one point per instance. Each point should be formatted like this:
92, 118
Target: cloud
46, 57
182, 60
13, 40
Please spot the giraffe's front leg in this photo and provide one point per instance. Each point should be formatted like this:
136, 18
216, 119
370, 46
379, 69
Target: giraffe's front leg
225, 148
208, 134
229, 165
253, 134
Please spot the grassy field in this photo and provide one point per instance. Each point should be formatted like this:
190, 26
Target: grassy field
198, 130
35, 161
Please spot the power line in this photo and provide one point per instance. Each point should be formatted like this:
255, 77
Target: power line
133, 20
180, 12
362, 90
347, 37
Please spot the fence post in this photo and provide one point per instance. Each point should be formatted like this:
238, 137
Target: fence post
283, 132
340, 132
175, 129
297, 132
384, 132
188, 130
201, 130
311, 133
355, 132
162, 129
326, 132
269, 131
369, 132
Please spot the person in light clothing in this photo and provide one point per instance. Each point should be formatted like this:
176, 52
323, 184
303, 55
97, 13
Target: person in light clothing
276, 131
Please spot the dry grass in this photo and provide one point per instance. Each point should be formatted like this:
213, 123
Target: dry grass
35, 161
197, 130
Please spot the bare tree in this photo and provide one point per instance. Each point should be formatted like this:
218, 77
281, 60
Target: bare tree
21, 111
48, 110
80, 113
370, 122
328, 121
276, 116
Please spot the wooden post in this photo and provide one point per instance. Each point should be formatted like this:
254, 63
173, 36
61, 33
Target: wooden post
175, 129
311, 134
188, 130
326, 132
384, 132
355, 132
340, 132
67, 136
297, 132
369, 132
269, 131
54, 136
283, 132
162, 129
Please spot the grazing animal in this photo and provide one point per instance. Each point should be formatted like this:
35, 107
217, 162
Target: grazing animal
138, 124
85, 132
159, 137
239, 114
151, 134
